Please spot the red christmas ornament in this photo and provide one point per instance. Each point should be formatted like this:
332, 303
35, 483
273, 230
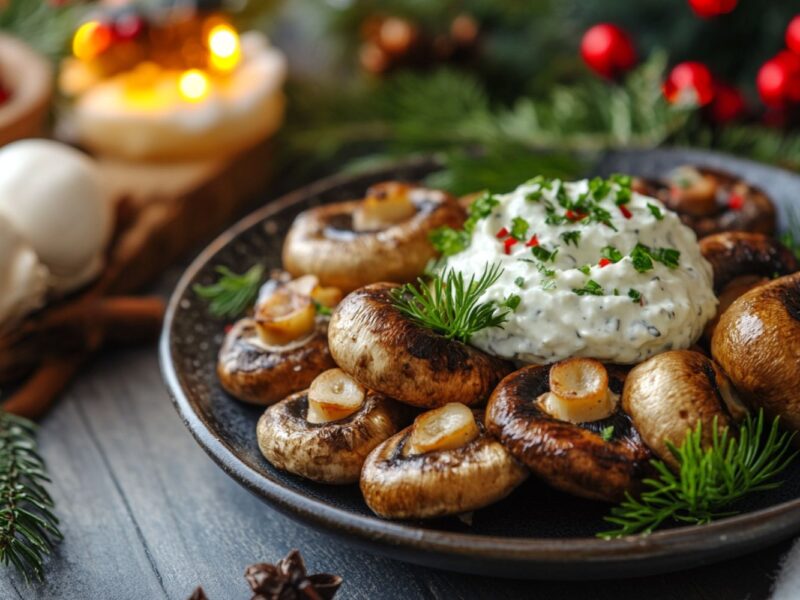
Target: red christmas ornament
793, 35
692, 79
778, 80
607, 50
706, 9
728, 104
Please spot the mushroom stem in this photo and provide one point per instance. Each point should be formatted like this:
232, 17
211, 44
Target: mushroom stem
447, 428
333, 395
579, 391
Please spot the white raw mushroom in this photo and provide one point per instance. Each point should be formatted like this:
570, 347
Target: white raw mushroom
23, 279
53, 195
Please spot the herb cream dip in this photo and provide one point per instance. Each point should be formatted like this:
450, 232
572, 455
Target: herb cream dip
590, 269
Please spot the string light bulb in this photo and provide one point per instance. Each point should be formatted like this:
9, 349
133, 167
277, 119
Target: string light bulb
224, 48
193, 85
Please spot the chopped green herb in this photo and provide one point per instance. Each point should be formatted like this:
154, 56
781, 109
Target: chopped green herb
449, 241
640, 255
607, 433
590, 288
585, 269
544, 254
657, 212
520, 281
548, 284
599, 188
322, 309
571, 237
616, 292
635, 295
519, 229
545, 271
611, 254
512, 301
666, 256
541, 181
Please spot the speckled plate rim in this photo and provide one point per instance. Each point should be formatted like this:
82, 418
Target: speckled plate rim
545, 558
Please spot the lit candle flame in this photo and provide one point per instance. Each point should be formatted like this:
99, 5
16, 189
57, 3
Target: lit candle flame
193, 85
224, 49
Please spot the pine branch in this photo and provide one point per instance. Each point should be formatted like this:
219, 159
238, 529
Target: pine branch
28, 527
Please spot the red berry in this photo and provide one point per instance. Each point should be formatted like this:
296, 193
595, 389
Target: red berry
712, 8
793, 35
607, 50
778, 80
728, 104
691, 78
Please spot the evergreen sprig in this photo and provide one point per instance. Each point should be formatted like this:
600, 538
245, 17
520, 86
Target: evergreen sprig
28, 527
709, 481
450, 306
232, 293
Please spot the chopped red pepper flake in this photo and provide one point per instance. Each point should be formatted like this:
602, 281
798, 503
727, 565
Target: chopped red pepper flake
508, 243
534, 241
572, 215
502, 233
604, 262
735, 202
625, 212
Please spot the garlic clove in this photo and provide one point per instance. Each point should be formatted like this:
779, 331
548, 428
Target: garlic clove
284, 317
333, 395
385, 205
693, 192
447, 428
579, 391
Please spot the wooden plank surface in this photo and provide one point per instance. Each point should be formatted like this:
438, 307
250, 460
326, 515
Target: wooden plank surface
146, 514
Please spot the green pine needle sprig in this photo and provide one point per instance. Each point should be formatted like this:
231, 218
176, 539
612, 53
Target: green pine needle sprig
232, 293
709, 481
450, 305
28, 527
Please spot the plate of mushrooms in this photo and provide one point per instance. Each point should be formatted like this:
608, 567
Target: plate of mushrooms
581, 379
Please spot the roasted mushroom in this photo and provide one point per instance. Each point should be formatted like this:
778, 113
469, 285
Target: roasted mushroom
325, 432
564, 423
757, 343
710, 201
385, 350
283, 347
742, 261
670, 393
383, 237
444, 464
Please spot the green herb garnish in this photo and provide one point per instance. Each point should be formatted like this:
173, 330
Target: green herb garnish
548, 284
591, 288
512, 301
634, 295
585, 269
520, 281
232, 293
321, 309
544, 254
607, 433
709, 480
449, 305
571, 237
449, 241
519, 229
657, 212
611, 253
643, 256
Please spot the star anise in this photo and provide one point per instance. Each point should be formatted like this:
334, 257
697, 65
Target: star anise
288, 580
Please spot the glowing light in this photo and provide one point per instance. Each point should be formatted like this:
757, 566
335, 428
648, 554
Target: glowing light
91, 39
224, 47
193, 85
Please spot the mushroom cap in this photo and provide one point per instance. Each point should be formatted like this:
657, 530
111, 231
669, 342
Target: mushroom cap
572, 457
322, 242
330, 452
265, 374
757, 343
669, 393
384, 350
438, 483
756, 213
735, 254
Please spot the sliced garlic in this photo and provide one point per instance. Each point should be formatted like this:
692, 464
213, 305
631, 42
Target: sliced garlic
333, 395
284, 317
447, 428
385, 205
308, 285
579, 391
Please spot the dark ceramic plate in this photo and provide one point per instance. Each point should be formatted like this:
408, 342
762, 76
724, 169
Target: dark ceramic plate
536, 532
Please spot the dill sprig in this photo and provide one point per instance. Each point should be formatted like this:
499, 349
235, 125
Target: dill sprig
232, 293
28, 528
450, 306
709, 481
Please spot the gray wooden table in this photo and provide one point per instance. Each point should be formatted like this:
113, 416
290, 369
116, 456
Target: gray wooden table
147, 515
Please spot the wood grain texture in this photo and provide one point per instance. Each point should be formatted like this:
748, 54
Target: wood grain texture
147, 515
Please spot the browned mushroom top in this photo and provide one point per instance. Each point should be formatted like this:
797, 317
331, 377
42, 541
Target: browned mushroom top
383, 237
711, 201
601, 459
